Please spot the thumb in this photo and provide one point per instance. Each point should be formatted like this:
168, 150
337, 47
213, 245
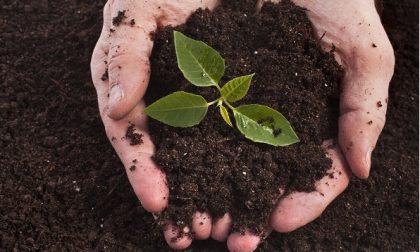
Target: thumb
128, 60
363, 104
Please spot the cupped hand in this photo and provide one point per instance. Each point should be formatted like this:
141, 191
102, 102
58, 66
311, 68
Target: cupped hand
354, 30
120, 72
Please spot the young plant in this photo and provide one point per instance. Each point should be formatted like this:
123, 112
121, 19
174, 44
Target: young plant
204, 67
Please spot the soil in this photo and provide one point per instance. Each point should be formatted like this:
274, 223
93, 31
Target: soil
119, 18
135, 138
212, 167
63, 188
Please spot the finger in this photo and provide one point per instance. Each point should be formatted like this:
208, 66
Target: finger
364, 99
201, 225
99, 66
147, 180
221, 228
177, 240
246, 242
362, 47
99, 61
363, 104
129, 51
300, 208
260, 4
177, 12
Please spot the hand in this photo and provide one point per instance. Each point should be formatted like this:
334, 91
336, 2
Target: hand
125, 52
363, 49
120, 69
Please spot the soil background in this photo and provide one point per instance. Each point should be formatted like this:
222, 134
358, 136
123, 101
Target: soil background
63, 188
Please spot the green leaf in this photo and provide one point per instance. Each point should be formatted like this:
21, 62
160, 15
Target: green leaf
264, 125
201, 65
179, 109
237, 88
225, 115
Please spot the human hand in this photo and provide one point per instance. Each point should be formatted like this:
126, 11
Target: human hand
365, 52
120, 72
125, 52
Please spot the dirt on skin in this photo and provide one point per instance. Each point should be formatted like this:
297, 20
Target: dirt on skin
63, 188
134, 137
212, 167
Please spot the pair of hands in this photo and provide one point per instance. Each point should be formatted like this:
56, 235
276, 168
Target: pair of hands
361, 47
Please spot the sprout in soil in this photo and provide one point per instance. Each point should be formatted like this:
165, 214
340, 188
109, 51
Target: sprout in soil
204, 67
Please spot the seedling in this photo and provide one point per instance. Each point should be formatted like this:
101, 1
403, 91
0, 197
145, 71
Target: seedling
203, 66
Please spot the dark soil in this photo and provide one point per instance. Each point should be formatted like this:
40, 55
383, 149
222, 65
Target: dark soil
117, 20
212, 167
63, 188
135, 138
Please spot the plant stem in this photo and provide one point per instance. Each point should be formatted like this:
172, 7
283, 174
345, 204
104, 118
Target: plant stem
212, 102
228, 104
218, 87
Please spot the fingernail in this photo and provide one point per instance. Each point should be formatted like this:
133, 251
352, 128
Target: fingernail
368, 160
115, 95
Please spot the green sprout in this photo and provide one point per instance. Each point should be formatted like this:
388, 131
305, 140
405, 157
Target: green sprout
203, 66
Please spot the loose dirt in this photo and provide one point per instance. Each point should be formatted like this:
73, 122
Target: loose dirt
212, 167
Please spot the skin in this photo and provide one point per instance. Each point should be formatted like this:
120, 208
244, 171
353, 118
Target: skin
361, 47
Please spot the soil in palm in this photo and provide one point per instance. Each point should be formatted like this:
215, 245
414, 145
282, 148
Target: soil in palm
212, 167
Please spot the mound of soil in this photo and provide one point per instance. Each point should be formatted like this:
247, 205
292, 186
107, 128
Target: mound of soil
63, 188
212, 167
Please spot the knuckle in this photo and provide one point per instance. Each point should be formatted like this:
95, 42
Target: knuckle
285, 225
379, 121
388, 57
124, 54
110, 3
375, 58
98, 65
107, 8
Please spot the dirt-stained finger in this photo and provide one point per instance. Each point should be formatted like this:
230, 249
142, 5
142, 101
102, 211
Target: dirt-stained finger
246, 242
177, 239
221, 228
201, 225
